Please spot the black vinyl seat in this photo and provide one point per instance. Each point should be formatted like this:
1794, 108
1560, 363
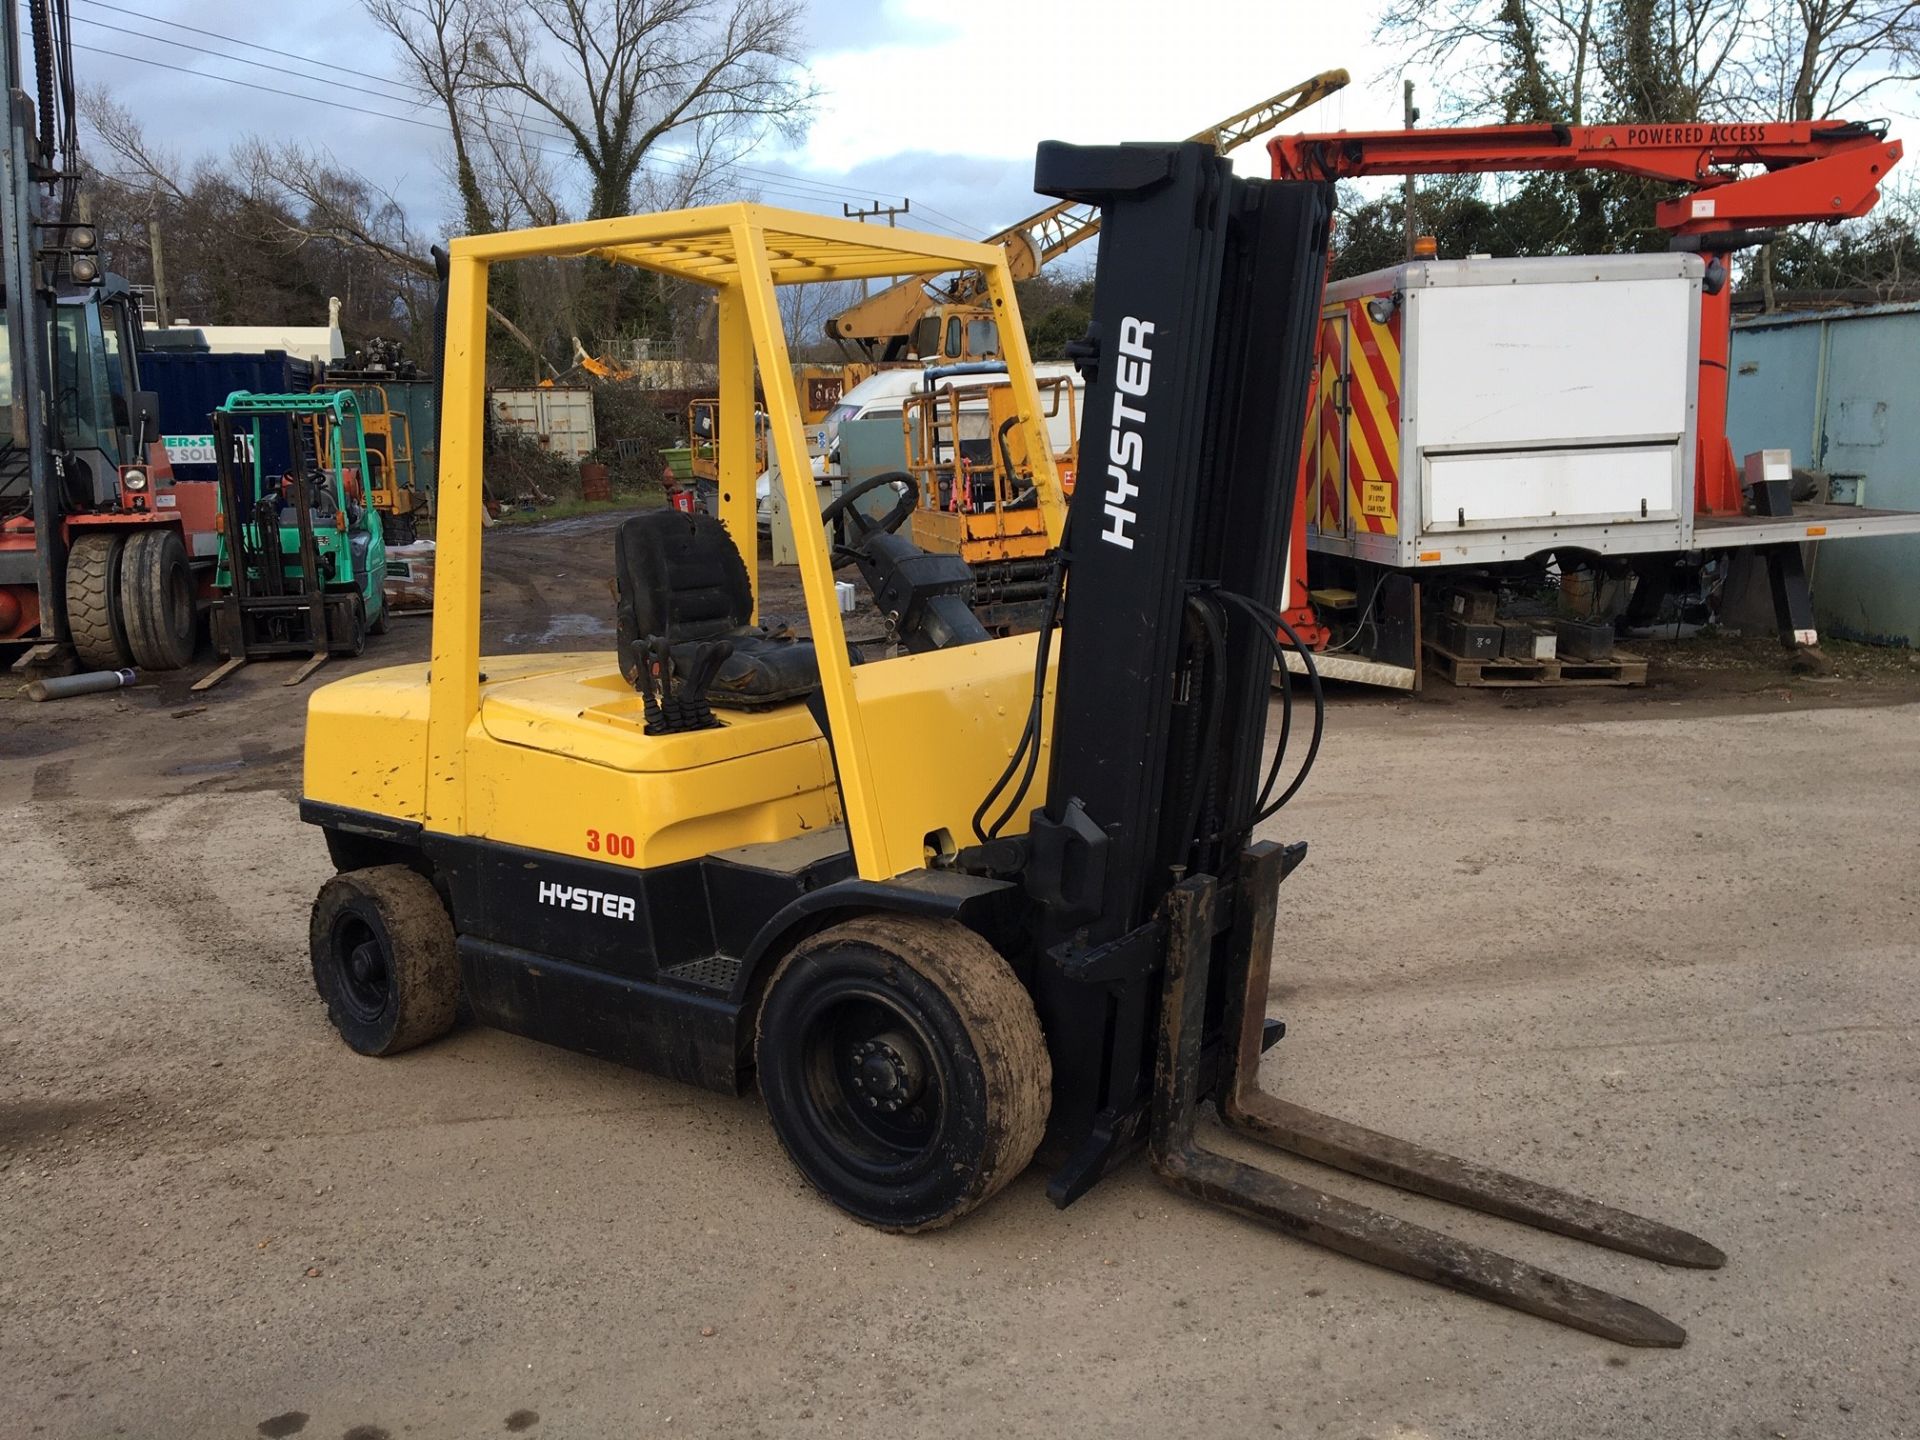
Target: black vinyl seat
681, 578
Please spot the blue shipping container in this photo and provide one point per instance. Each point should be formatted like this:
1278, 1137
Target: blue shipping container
192, 385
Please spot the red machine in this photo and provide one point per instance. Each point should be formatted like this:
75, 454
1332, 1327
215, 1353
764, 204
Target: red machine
1742, 179
98, 545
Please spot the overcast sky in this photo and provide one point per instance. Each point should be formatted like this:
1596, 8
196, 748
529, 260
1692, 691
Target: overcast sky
939, 101
927, 99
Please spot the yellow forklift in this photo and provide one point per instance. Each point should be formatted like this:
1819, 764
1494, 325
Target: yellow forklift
953, 901
977, 493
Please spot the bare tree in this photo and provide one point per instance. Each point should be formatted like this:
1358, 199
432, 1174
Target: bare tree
291, 199
437, 41
1823, 57
1523, 60
618, 77
1675, 60
805, 309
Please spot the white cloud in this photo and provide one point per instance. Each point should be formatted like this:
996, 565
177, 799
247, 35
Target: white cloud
994, 77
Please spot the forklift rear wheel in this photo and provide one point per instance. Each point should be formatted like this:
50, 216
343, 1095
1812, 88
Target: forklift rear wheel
93, 602
383, 959
378, 626
903, 1068
156, 599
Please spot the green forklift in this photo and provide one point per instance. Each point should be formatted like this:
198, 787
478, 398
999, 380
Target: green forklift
302, 561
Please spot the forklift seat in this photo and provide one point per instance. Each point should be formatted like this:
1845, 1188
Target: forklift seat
680, 578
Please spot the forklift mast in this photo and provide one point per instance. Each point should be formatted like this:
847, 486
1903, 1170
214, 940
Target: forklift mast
1205, 302
27, 298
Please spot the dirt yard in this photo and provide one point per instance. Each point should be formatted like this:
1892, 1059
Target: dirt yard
1657, 945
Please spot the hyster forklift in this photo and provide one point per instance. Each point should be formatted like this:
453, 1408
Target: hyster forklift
303, 562
953, 901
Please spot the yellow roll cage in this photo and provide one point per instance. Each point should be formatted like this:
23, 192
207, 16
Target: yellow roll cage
742, 252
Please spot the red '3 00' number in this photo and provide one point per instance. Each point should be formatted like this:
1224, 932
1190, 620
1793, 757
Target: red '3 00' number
612, 844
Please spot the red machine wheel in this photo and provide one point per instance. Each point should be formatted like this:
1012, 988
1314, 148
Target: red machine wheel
156, 600
94, 562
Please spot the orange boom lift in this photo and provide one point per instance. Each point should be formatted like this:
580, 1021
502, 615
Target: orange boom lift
1809, 170
1740, 181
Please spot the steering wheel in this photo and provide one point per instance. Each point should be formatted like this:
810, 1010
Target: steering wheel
842, 509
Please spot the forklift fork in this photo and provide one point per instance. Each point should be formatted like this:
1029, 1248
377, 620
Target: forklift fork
1343, 1225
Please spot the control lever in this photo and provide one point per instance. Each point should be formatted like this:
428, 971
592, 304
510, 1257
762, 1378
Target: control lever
675, 699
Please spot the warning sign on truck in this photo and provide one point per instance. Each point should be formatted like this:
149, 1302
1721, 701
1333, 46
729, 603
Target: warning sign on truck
1376, 498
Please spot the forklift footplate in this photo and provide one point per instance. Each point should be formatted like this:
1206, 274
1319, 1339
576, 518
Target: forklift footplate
1343, 1225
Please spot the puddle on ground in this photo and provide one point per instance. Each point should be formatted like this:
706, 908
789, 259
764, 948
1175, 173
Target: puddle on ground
564, 627
209, 767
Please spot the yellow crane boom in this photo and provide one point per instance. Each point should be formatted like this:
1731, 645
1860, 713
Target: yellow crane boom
885, 321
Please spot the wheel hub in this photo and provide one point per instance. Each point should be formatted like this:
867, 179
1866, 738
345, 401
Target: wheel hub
888, 1072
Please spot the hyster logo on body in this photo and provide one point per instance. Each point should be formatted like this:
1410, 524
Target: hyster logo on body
1126, 449
592, 902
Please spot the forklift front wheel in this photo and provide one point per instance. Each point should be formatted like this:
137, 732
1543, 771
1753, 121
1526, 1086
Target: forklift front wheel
226, 644
347, 625
904, 1069
383, 959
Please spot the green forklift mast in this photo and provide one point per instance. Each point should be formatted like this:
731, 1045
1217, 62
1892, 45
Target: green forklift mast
302, 562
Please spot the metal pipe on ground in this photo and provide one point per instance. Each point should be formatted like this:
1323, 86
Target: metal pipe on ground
61, 687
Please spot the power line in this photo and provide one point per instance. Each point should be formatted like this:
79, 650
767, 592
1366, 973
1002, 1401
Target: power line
818, 194
343, 105
265, 89
545, 128
929, 210
230, 39
241, 60
407, 93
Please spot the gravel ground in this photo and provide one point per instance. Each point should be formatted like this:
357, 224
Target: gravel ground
1658, 945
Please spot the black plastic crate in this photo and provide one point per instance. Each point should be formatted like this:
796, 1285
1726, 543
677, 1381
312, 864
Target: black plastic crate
1476, 606
1526, 640
1584, 639
1468, 640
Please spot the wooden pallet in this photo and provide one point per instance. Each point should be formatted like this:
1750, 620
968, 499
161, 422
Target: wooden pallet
1620, 668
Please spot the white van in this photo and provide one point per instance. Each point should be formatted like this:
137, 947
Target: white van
883, 396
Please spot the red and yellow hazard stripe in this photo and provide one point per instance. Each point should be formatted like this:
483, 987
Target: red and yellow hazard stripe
1325, 498
1373, 421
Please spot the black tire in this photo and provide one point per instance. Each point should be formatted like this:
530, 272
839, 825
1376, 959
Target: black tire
383, 959
94, 563
156, 600
903, 1068
380, 624
347, 625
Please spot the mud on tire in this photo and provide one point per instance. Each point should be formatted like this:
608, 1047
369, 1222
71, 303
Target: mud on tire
903, 1068
383, 959
156, 600
94, 563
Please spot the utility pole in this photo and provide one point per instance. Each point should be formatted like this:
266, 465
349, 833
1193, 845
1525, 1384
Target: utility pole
1411, 113
160, 307
872, 212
